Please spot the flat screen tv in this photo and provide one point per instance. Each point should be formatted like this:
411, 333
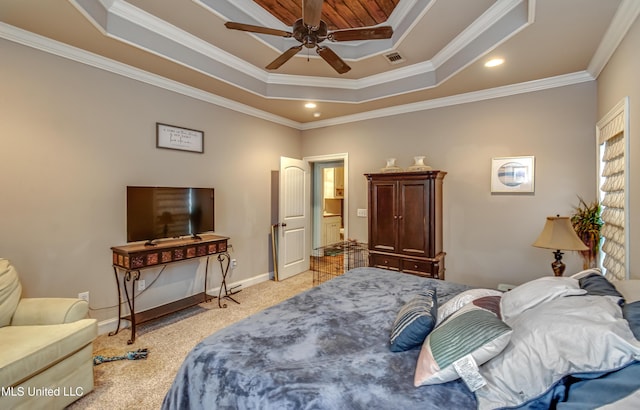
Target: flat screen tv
166, 212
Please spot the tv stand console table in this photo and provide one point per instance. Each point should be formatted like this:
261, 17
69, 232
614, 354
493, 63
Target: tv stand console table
132, 259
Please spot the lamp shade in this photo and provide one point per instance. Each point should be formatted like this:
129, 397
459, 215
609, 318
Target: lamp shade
558, 234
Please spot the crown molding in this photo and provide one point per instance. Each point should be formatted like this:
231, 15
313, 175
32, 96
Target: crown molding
152, 24
47, 45
129, 24
238, 9
498, 92
624, 18
627, 13
352, 84
496, 13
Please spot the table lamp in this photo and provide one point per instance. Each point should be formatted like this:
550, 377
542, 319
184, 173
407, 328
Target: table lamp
558, 234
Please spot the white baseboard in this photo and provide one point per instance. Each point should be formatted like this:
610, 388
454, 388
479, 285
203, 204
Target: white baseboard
110, 325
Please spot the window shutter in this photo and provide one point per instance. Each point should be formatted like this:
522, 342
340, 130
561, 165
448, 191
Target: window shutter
613, 185
613, 205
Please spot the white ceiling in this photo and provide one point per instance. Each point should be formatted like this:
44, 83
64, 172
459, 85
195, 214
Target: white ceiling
183, 45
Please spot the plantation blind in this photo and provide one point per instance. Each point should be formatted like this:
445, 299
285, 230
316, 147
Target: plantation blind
613, 196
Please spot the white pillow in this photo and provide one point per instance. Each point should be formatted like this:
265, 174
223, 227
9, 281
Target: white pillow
586, 272
538, 291
565, 336
473, 330
460, 300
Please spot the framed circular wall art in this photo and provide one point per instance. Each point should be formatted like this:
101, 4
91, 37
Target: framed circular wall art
512, 174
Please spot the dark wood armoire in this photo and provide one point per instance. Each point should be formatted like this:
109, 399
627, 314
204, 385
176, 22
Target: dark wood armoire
405, 222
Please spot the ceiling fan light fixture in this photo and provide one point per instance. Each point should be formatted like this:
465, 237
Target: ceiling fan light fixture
310, 31
494, 62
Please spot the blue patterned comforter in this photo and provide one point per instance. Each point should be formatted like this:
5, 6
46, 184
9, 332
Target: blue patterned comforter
327, 348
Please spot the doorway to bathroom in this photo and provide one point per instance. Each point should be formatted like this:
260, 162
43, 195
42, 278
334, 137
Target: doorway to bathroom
329, 198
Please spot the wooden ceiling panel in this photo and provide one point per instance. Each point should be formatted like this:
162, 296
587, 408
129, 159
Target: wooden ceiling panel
338, 14
287, 11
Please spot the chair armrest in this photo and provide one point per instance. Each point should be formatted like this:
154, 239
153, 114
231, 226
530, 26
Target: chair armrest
49, 311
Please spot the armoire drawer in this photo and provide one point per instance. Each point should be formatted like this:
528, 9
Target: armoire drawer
384, 261
415, 266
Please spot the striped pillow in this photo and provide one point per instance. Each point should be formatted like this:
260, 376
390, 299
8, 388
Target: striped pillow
474, 330
414, 322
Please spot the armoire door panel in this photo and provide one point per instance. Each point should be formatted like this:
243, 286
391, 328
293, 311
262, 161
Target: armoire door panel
412, 219
384, 211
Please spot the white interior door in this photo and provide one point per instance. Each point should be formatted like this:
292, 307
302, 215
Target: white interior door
295, 217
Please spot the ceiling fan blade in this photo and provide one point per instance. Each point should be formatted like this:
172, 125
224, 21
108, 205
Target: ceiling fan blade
312, 12
332, 58
257, 29
284, 57
365, 33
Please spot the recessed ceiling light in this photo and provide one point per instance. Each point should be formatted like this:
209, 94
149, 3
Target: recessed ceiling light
310, 105
494, 62
316, 114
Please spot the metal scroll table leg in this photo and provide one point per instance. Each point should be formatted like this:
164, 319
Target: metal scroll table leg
131, 301
223, 285
115, 332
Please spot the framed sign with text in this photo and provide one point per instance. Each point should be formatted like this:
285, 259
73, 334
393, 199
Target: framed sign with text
183, 139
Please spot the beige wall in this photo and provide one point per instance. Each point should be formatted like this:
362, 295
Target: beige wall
620, 79
487, 237
73, 137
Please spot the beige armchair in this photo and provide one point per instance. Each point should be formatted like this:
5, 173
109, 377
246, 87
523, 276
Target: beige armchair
46, 347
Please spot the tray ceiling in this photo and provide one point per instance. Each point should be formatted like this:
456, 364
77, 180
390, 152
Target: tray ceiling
442, 46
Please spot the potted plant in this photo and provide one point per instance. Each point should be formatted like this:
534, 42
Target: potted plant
587, 224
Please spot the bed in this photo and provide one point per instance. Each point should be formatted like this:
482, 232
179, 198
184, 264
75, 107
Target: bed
330, 348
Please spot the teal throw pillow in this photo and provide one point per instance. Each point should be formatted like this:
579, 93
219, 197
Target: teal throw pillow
414, 322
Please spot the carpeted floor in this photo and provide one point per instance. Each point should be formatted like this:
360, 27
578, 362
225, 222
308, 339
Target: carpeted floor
142, 384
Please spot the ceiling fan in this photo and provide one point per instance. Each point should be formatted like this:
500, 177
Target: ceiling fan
310, 30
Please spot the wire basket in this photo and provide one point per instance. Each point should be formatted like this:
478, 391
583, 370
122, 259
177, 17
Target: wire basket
333, 260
